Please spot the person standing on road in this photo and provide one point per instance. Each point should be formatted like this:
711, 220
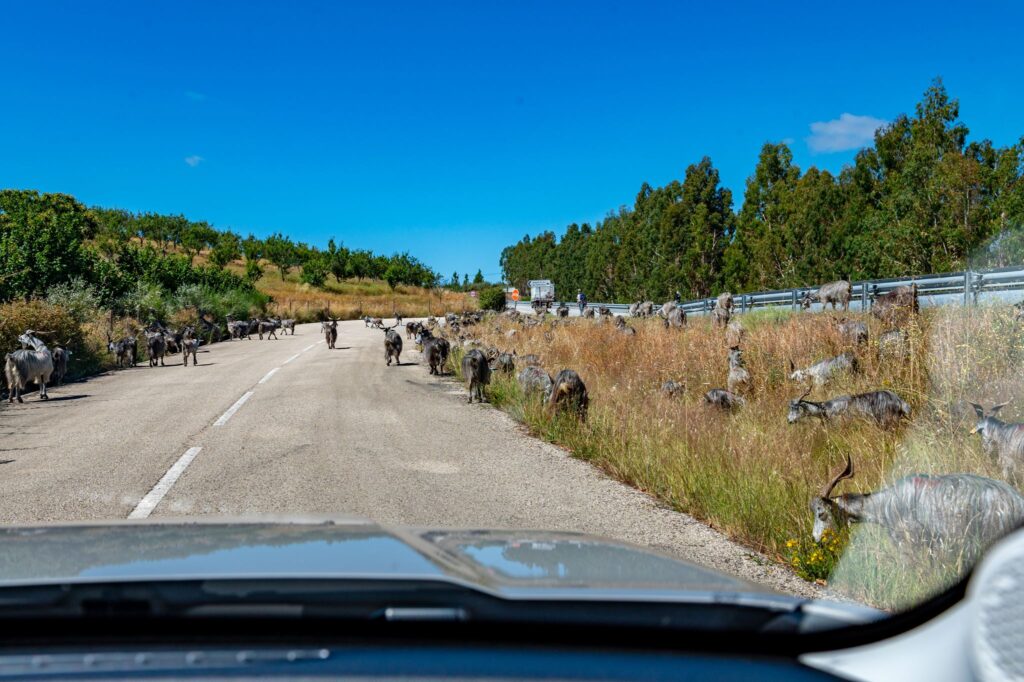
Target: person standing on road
678, 297
581, 300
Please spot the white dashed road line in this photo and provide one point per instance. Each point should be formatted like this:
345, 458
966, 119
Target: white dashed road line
234, 408
153, 497
266, 377
291, 358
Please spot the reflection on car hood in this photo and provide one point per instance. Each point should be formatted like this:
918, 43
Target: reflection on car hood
511, 564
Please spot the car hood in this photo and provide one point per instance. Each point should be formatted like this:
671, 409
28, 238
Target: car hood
509, 564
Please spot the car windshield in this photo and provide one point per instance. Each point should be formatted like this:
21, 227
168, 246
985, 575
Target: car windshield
738, 287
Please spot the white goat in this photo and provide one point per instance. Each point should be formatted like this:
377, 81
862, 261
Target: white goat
23, 366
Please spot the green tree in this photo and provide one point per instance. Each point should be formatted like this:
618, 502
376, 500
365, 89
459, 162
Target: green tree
478, 278
280, 251
227, 248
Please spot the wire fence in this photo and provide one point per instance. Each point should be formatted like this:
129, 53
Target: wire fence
969, 287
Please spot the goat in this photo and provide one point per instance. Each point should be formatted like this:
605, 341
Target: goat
330, 330
379, 323
645, 309
366, 320
634, 309
723, 309
734, 333
999, 439
958, 513
604, 311
392, 345
620, 324
504, 363
672, 388
894, 343
286, 325
588, 312
60, 364
422, 336
28, 364
237, 328
723, 399
851, 331
124, 350
189, 346
533, 379
569, 392
412, 328
562, 311
436, 351
528, 359
895, 307
836, 293
821, 372
156, 347
213, 330
885, 408
267, 327
676, 318
476, 372
739, 377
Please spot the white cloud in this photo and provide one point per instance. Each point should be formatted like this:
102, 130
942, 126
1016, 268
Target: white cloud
849, 131
196, 96
194, 160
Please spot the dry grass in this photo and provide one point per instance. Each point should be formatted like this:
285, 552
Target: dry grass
751, 474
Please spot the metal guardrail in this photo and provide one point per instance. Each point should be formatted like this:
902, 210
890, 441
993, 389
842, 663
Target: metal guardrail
969, 287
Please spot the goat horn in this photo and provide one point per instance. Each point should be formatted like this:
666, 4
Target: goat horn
845, 473
804, 395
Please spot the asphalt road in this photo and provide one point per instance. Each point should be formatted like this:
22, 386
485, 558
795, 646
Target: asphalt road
290, 427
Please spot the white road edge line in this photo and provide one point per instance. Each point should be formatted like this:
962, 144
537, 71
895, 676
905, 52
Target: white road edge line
309, 346
148, 503
231, 410
291, 358
266, 377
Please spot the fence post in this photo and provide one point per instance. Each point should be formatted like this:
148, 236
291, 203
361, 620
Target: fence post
967, 287
864, 296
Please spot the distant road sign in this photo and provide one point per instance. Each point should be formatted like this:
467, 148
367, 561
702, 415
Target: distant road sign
515, 294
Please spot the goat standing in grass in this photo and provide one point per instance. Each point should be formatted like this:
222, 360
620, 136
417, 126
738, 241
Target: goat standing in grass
953, 513
739, 377
533, 379
28, 364
1001, 440
723, 309
568, 392
885, 408
852, 331
822, 372
476, 372
836, 293
723, 399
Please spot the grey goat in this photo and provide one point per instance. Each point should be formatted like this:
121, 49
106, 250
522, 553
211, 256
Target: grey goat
392, 345
286, 326
620, 324
476, 372
960, 513
852, 331
189, 346
436, 351
821, 372
721, 398
672, 388
28, 364
533, 379
739, 377
723, 309
156, 347
330, 330
60, 364
836, 293
1001, 440
883, 407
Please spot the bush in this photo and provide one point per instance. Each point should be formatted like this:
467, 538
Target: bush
62, 328
314, 272
492, 298
76, 297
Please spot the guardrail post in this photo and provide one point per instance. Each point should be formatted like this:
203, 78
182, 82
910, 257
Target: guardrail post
967, 287
794, 299
864, 297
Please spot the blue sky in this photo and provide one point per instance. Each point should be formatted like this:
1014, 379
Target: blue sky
452, 129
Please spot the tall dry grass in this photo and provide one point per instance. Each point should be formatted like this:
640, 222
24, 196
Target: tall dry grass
751, 474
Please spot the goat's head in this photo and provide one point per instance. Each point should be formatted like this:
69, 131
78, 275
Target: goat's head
799, 408
807, 300
823, 506
735, 356
987, 421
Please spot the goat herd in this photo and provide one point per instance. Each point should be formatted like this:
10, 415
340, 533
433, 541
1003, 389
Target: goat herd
941, 512
933, 510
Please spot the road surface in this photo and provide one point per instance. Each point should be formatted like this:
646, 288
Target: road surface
291, 427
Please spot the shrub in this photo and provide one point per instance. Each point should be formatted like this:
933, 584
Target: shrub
314, 272
492, 298
59, 325
76, 297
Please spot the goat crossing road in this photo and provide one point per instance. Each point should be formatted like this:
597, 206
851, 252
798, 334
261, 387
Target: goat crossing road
332, 432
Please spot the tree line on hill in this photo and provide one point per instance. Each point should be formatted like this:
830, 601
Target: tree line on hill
921, 200
53, 245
